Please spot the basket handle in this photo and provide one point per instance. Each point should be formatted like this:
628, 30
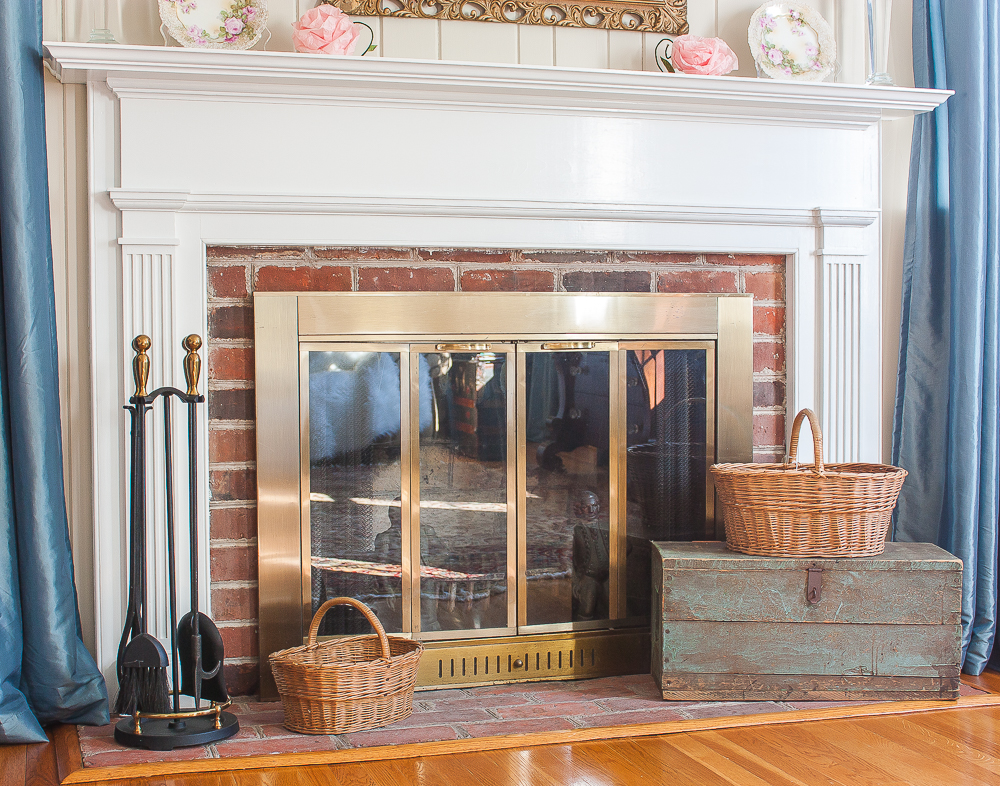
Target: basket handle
369, 615
793, 445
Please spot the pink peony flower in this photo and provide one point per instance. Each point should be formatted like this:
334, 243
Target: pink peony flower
325, 30
694, 55
233, 25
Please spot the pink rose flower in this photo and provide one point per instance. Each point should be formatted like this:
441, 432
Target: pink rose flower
325, 30
233, 25
694, 55
775, 56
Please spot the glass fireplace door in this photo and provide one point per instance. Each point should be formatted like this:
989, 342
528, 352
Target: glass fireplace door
568, 519
463, 490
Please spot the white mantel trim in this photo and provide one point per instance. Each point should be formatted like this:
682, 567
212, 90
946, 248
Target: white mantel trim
290, 77
188, 202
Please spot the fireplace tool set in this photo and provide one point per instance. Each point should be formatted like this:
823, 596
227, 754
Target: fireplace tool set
156, 720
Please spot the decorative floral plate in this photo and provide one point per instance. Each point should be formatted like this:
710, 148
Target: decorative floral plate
791, 41
215, 24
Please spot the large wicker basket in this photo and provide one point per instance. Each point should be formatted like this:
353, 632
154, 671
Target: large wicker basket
809, 510
348, 684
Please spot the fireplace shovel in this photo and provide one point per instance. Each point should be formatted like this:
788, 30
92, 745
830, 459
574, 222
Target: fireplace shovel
142, 661
201, 662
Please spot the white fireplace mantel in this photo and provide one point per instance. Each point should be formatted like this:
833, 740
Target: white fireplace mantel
191, 148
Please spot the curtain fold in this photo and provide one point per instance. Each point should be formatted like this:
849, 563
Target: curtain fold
46, 674
947, 400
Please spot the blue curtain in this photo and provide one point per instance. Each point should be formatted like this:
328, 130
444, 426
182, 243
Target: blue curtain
46, 674
946, 425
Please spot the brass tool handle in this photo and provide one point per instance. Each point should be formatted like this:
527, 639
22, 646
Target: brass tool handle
192, 363
569, 345
140, 363
462, 347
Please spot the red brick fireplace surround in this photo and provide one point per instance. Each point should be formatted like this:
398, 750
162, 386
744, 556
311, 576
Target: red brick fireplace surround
234, 273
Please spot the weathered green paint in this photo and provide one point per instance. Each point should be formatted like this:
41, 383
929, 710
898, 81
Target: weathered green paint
734, 626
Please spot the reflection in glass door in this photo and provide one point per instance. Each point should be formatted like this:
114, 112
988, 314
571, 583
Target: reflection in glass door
355, 463
463, 495
566, 548
670, 445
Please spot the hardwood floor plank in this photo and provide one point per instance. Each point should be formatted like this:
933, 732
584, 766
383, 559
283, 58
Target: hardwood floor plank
13, 762
671, 759
636, 761
786, 763
67, 742
40, 765
979, 730
542, 766
913, 764
723, 766
737, 752
931, 739
817, 748
989, 680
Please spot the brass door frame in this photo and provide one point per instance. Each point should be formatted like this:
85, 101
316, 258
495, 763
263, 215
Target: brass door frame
282, 320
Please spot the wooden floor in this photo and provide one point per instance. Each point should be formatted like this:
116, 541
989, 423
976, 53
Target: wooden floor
943, 748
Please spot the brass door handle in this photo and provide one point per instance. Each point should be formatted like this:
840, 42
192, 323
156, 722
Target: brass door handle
462, 347
569, 345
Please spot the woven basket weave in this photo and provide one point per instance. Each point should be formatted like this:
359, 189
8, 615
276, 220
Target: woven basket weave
809, 510
348, 684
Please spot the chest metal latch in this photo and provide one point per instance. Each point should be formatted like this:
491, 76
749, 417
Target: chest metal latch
814, 586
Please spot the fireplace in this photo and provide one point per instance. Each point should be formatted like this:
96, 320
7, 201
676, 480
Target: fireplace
487, 470
195, 154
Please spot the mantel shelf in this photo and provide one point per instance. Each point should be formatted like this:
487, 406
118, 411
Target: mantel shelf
285, 76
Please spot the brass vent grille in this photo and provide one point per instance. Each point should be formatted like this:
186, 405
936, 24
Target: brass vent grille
549, 657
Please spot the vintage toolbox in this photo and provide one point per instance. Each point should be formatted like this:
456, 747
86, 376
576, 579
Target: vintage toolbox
737, 627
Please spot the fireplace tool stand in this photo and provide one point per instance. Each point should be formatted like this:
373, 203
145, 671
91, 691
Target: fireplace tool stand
154, 721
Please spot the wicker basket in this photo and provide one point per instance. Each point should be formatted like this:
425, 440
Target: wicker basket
812, 510
348, 684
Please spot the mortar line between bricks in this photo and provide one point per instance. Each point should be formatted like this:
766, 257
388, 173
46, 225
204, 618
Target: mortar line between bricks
232, 543
234, 504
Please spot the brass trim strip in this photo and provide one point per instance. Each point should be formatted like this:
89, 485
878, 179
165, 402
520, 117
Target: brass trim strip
278, 492
713, 528
405, 478
522, 486
616, 522
458, 634
513, 486
620, 451
305, 484
465, 316
413, 361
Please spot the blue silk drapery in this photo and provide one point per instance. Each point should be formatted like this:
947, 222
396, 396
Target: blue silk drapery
46, 674
946, 424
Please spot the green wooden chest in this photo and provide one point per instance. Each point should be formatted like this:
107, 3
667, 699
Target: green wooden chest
737, 627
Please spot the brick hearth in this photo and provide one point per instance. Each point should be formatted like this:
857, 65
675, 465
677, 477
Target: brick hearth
234, 273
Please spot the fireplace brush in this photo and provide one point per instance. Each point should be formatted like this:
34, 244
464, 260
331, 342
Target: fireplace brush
156, 722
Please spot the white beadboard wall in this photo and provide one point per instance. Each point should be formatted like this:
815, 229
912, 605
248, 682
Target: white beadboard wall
137, 22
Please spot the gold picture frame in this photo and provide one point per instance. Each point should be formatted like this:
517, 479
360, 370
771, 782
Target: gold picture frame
662, 16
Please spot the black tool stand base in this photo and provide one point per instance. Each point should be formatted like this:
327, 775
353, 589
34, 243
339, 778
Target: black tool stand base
163, 734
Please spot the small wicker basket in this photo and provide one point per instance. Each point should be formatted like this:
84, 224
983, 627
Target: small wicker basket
348, 684
809, 510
